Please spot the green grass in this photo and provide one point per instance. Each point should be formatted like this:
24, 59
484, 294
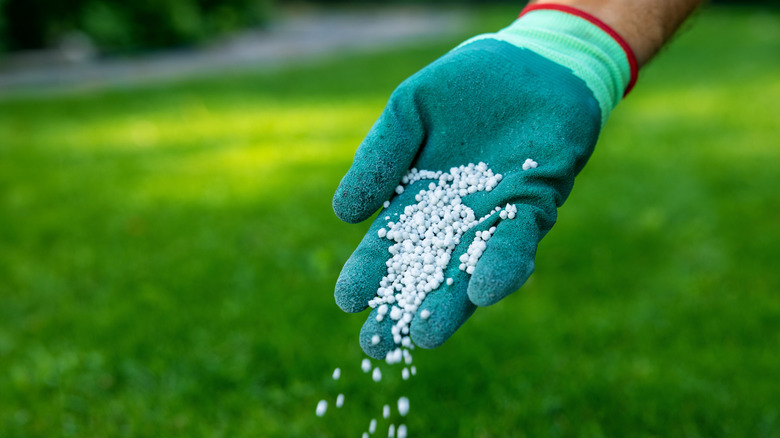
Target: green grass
168, 255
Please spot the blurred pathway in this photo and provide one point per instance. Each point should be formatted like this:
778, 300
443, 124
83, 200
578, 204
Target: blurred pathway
294, 37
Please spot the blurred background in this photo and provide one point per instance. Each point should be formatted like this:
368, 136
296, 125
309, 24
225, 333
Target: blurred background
168, 251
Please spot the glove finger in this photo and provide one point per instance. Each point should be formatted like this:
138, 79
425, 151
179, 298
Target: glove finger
381, 160
361, 274
449, 307
508, 259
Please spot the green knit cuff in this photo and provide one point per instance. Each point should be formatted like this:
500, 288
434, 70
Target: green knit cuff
592, 51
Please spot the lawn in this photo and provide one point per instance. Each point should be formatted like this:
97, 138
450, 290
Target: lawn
168, 254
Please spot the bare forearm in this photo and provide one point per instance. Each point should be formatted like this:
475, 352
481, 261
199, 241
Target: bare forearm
645, 24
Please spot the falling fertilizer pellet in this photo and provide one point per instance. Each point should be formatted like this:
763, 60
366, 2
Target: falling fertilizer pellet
423, 236
322, 406
403, 406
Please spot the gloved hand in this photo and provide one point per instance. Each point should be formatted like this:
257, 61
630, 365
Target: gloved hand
540, 89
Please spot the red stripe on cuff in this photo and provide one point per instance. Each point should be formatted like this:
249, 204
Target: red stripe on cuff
632, 63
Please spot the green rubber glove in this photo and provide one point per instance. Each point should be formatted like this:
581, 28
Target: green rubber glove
540, 89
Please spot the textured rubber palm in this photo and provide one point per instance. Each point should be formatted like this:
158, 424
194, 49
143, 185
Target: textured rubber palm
487, 101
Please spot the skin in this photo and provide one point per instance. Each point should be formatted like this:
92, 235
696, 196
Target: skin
645, 24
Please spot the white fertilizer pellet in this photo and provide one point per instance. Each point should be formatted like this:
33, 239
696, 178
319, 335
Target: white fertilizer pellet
423, 237
403, 406
322, 406
365, 435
